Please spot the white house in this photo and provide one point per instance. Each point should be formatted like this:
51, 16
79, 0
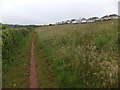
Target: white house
113, 16
74, 21
104, 18
83, 20
95, 19
90, 20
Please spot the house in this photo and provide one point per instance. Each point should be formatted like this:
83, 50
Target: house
113, 16
104, 18
90, 20
83, 20
74, 21
93, 19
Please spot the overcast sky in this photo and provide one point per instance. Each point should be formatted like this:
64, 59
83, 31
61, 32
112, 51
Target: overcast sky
51, 11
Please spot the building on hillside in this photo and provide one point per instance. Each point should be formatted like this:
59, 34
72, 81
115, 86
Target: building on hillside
83, 20
93, 19
90, 20
104, 18
113, 16
74, 21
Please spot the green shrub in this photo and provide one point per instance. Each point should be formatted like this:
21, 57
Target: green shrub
11, 39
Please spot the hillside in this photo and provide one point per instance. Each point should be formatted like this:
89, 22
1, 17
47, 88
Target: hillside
64, 56
82, 55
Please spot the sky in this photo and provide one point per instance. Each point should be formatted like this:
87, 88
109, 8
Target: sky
52, 11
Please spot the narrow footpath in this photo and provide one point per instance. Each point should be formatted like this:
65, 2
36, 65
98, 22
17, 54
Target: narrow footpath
33, 81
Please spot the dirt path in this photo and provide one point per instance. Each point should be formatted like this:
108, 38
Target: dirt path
33, 83
41, 75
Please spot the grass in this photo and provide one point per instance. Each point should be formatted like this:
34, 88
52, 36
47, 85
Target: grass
17, 73
46, 78
82, 55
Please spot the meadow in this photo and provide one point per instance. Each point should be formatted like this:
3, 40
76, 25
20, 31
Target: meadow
81, 55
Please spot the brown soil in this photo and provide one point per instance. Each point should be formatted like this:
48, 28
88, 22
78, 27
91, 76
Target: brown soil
33, 81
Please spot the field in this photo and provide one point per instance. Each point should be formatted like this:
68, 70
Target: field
82, 55
67, 56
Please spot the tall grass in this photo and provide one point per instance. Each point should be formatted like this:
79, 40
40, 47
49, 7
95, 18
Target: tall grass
82, 55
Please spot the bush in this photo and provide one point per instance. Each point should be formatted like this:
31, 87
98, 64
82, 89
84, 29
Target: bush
11, 39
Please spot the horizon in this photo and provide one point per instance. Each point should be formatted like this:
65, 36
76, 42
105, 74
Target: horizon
44, 12
54, 22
